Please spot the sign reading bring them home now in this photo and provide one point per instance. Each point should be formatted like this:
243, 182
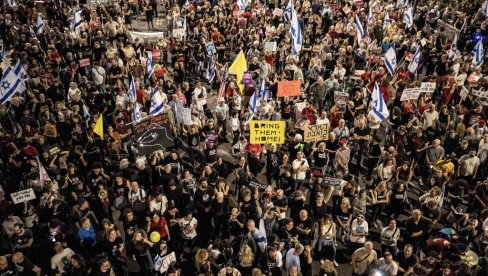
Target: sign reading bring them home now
267, 132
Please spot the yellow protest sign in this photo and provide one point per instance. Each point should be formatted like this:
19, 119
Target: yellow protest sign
314, 133
264, 132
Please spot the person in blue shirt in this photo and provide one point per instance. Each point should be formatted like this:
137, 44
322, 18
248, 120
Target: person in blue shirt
87, 235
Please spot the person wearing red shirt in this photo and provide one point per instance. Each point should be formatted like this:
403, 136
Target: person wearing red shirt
140, 94
158, 224
253, 157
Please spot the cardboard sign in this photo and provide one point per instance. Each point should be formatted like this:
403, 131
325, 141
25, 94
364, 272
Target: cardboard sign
179, 34
258, 186
247, 78
341, 97
410, 94
328, 180
264, 132
428, 87
270, 46
162, 264
314, 133
153, 134
23, 196
84, 62
289, 88
53, 150
183, 116
210, 48
450, 30
464, 93
278, 12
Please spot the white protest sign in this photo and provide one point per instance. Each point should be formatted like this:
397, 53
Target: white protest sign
341, 97
183, 116
178, 34
464, 93
278, 12
270, 46
22, 196
428, 87
162, 264
410, 94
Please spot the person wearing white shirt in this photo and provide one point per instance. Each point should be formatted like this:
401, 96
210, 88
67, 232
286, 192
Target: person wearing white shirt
359, 232
300, 167
200, 95
387, 265
322, 119
57, 263
429, 116
158, 204
136, 194
339, 71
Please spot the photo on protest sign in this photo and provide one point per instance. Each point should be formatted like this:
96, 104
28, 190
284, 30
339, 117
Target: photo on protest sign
314, 133
152, 134
53, 150
289, 88
278, 12
427, 87
210, 47
23, 196
84, 62
329, 180
183, 116
341, 97
179, 34
264, 132
256, 185
270, 46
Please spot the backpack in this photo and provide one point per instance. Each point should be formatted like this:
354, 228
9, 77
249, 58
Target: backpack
120, 203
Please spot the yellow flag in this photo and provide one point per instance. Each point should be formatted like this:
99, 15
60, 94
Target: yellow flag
239, 67
98, 129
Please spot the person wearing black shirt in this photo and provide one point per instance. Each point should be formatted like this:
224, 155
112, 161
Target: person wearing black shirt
248, 206
220, 211
416, 229
203, 201
320, 157
374, 154
304, 226
274, 159
286, 107
361, 134
175, 162
24, 266
165, 177
236, 222
288, 233
6, 266
406, 260
286, 181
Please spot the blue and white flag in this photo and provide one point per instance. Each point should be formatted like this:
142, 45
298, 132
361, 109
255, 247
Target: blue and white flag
370, 16
137, 116
86, 114
387, 21
484, 8
264, 93
453, 51
132, 91
150, 65
288, 11
39, 24
478, 54
415, 62
262, 241
242, 4
187, 4
11, 3
408, 15
11, 83
380, 110
3, 55
32, 32
211, 71
157, 104
391, 61
77, 22
359, 29
253, 106
296, 34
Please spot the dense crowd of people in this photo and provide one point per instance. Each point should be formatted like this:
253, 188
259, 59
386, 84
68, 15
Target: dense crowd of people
403, 195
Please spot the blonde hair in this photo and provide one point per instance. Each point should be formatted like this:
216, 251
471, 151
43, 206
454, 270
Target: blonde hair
201, 256
246, 257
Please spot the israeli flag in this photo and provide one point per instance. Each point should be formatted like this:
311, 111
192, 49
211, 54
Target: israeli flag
380, 110
242, 4
387, 21
415, 62
157, 104
86, 114
187, 4
359, 29
137, 112
478, 54
264, 94
253, 106
211, 71
132, 91
296, 34
370, 16
485, 8
408, 17
11, 3
39, 24
77, 22
150, 65
391, 61
11, 83
288, 13
32, 32
453, 51
262, 241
